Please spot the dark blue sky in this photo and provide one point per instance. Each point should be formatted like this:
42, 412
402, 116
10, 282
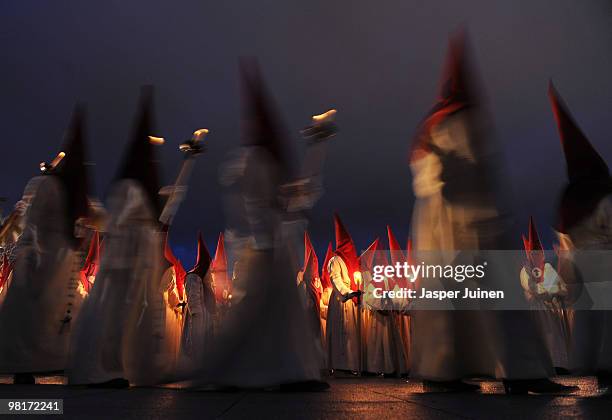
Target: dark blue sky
378, 63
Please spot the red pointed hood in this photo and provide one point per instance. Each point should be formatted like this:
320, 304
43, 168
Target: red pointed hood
220, 261
458, 90
220, 272
311, 268
310, 256
345, 248
92, 262
179, 271
203, 260
396, 252
325, 280
366, 259
533, 248
581, 158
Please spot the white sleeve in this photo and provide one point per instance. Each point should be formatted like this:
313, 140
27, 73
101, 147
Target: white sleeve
335, 274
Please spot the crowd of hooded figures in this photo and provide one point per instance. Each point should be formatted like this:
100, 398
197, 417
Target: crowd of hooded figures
95, 291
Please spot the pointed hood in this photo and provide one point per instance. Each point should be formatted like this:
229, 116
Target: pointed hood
72, 171
92, 262
139, 162
583, 161
458, 90
179, 271
220, 261
311, 261
203, 260
261, 124
366, 258
589, 177
533, 248
220, 272
325, 280
345, 248
395, 250
311, 271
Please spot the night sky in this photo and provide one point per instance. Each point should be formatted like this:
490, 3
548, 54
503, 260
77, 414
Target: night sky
378, 63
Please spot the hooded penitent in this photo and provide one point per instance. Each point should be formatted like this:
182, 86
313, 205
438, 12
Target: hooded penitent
140, 163
219, 270
589, 177
325, 280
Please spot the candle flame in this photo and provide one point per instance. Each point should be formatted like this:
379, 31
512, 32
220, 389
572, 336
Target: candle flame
200, 133
58, 159
328, 115
156, 140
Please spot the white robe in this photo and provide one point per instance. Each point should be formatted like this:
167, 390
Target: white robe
198, 329
122, 330
457, 209
264, 339
42, 302
344, 343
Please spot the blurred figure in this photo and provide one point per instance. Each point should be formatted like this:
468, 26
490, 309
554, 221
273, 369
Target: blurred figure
310, 287
42, 302
172, 287
546, 292
457, 183
265, 339
198, 329
124, 313
585, 224
400, 315
344, 317
378, 335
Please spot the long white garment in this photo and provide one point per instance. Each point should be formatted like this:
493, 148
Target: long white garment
264, 339
121, 333
198, 328
42, 302
591, 344
456, 209
343, 340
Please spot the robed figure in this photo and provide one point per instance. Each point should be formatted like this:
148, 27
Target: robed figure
585, 232
200, 311
121, 335
264, 339
42, 303
460, 206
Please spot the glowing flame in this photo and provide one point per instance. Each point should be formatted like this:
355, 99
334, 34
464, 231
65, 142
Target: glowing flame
199, 134
329, 115
156, 140
58, 159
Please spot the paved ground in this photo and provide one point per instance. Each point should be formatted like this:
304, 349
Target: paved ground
382, 399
